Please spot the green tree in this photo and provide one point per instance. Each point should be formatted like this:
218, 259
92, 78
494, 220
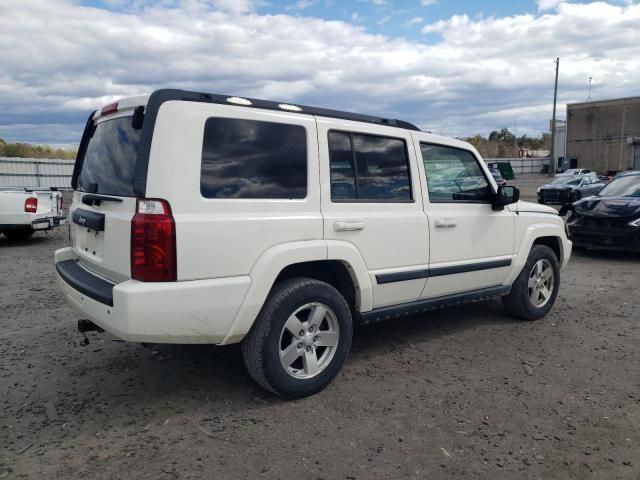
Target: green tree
26, 150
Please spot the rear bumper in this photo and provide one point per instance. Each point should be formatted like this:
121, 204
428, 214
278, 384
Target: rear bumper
47, 223
605, 238
25, 220
197, 311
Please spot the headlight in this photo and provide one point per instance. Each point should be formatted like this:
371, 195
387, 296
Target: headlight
635, 223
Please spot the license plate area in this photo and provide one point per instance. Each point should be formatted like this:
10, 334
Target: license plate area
89, 243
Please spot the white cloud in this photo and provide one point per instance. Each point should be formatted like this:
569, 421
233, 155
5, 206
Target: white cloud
300, 5
415, 21
428, 3
474, 75
548, 4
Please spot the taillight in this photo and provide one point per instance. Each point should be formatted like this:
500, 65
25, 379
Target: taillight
153, 242
109, 109
60, 203
31, 205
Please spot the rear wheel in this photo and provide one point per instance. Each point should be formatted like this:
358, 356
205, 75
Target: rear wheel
301, 338
535, 290
19, 233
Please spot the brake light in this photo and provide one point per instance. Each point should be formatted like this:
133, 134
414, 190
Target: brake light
60, 203
31, 205
109, 109
153, 242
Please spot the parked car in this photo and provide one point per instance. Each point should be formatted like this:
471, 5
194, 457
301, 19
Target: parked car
569, 188
610, 220
25, 211
201, 218
574, 171
625, 172
497, 176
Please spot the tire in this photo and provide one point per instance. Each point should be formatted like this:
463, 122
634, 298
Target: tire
541, 202
19, 234
519, 302
292, 305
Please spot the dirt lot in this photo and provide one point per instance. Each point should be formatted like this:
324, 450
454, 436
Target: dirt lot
466, 392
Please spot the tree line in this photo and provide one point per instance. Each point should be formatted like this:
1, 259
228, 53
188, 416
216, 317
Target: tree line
504, 144
26, 150
499, 144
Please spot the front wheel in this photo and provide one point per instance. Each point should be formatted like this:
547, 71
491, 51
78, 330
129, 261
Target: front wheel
535, 290
300, 339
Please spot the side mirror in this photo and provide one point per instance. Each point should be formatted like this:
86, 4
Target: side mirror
506, 195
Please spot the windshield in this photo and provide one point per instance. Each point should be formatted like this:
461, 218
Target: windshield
622, 187
109, 162
566, 180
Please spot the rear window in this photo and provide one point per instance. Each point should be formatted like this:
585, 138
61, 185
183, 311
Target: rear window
253, 159
110, 159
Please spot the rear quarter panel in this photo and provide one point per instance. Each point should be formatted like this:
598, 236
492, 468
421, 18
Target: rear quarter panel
224, 237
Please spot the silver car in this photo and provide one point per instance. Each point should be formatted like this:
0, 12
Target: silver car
569, 188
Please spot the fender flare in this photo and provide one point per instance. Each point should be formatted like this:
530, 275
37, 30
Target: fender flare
275, 259
531, 234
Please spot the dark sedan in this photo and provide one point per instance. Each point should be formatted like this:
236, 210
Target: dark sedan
569, 188
610, 220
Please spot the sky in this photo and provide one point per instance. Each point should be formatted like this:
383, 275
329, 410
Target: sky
456, 68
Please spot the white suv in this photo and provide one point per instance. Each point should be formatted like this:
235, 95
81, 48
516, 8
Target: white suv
201, 218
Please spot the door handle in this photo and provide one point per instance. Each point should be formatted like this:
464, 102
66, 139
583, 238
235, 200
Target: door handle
348, 226
446, 222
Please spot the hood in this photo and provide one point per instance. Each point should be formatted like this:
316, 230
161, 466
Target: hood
557, 186
612, 207
531, 208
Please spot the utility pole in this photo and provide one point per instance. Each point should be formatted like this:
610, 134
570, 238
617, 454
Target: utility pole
552, 159
590, 78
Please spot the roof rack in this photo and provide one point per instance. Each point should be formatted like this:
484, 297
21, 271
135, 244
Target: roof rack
164, 95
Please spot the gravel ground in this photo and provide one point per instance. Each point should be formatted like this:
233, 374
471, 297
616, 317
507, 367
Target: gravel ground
465, 392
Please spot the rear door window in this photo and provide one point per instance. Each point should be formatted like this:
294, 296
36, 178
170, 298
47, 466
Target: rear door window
253, 159
109, 162
368, 168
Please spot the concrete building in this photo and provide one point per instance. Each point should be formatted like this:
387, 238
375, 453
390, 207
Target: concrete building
604, 135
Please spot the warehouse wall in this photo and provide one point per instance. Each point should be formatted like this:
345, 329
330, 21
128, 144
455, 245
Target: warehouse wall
597, 133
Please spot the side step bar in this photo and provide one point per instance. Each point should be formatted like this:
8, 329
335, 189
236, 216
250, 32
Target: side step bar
421, 306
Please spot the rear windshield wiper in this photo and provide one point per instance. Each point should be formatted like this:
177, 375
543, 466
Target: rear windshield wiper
93, 199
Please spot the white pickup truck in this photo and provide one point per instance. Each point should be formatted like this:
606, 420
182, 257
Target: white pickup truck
22, 212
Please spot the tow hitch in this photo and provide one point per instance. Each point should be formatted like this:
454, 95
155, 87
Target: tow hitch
85, 326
